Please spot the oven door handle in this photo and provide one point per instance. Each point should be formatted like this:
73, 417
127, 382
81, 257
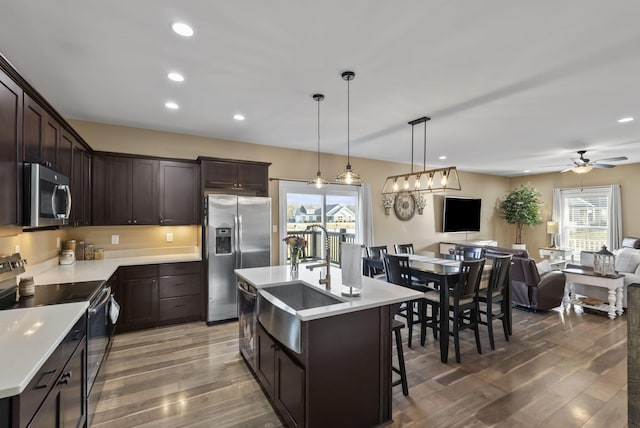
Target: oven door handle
107, 294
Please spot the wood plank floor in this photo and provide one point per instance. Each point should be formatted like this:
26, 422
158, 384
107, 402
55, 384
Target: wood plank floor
558, 370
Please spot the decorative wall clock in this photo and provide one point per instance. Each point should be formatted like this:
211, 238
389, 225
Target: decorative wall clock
405, 206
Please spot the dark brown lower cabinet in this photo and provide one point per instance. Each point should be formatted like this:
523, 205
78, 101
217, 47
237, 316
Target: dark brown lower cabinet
66, 404
341, 377
282, 377
154, 295
56, 396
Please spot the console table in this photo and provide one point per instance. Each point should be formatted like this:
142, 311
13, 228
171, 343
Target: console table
558, 257
586, 276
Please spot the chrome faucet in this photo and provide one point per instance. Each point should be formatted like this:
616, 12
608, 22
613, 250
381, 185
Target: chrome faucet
327, 252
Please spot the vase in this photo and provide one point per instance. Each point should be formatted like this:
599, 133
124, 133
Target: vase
294, 259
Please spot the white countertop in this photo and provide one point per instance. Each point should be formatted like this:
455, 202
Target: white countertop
374, 292
101, 270
28, 337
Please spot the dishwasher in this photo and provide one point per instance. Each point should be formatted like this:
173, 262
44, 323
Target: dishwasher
247, 318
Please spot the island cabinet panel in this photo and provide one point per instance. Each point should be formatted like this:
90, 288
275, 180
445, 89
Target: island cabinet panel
342, 376
179, 193
155, 295
10, 136
237, 177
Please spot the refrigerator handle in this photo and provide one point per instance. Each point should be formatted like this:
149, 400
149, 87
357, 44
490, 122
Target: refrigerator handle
236, 238
239, 228
205, 229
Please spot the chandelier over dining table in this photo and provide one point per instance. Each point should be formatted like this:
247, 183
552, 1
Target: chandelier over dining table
426, 180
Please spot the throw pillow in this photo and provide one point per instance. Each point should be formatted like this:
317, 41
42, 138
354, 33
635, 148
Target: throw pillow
543, 267
627, 260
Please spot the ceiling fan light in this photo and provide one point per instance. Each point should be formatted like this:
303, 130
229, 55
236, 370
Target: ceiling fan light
582, 169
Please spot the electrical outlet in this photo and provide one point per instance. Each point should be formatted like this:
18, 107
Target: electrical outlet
115, 239
169, 237
16, 249
275, 228
58, 242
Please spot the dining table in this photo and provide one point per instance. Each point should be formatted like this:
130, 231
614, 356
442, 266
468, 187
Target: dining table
443, 270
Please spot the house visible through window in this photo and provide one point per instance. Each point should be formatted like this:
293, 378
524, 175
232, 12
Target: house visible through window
334, 207
585, 218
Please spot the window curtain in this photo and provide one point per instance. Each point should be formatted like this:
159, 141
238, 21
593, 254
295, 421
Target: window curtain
365, 222
615, 218
557, 215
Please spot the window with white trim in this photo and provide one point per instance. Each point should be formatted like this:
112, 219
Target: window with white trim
585, 218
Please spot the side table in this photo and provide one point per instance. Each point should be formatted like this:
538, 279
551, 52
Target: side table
586, 276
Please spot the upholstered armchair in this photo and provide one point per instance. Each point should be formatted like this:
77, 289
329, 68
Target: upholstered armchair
532, 290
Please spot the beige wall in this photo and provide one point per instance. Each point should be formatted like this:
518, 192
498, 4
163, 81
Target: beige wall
423, 230
628, 176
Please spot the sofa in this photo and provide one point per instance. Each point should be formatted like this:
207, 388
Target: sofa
530, 288
627, 263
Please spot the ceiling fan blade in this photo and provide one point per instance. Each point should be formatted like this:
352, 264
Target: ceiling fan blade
567, 169
616, 159
602, 165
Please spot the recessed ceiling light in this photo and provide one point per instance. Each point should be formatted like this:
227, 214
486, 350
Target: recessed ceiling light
182, 29
171, 105
625, 120
443, 157
526, 171
176, 77
238, 117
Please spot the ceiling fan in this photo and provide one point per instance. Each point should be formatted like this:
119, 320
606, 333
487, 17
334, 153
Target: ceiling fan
582, 165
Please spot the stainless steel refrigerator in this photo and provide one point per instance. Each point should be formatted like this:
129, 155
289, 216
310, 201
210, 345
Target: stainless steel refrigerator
237, 236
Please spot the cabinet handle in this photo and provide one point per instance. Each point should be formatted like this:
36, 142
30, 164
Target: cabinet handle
129, 221
161, 221
44, 379
135, 221
179, 284
179, 306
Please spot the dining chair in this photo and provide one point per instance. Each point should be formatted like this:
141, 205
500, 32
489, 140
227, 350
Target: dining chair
403, 248
414, 311
463, 302
464, 252
376, 252
496, 295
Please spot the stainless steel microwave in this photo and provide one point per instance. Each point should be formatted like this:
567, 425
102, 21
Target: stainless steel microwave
47, 197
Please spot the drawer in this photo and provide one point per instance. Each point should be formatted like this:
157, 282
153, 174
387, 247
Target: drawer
180, 307
180, 268
138, 272
42, 382
179, 285
73, 339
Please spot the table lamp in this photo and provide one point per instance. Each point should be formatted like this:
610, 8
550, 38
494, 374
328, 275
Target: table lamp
553, 227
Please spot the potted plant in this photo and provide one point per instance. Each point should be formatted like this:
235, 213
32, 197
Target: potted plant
521, 206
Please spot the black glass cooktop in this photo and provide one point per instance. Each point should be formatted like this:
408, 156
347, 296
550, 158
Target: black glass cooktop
54, 294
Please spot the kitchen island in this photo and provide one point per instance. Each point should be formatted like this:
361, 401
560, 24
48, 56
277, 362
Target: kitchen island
333, 368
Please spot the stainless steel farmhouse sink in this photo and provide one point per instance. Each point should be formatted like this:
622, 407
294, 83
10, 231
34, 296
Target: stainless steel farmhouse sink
279, 304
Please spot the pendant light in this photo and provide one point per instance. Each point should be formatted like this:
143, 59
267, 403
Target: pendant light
348, 176
318, 181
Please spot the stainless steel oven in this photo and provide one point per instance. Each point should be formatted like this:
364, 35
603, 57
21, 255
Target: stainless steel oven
247, 317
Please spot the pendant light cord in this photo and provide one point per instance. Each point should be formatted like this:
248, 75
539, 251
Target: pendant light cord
424, 152
348, 125
412, 148
318, 135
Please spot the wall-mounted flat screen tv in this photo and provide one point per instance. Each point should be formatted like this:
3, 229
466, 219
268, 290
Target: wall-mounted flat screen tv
461, 214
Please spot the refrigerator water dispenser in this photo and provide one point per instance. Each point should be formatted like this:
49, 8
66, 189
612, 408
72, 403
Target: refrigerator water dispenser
223, 240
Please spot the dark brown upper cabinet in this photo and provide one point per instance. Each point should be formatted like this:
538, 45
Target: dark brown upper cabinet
10, 137
80, 182
236, 177
179, 193
125, 190
34, 118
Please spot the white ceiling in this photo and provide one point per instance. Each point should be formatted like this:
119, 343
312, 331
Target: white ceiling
509, 85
